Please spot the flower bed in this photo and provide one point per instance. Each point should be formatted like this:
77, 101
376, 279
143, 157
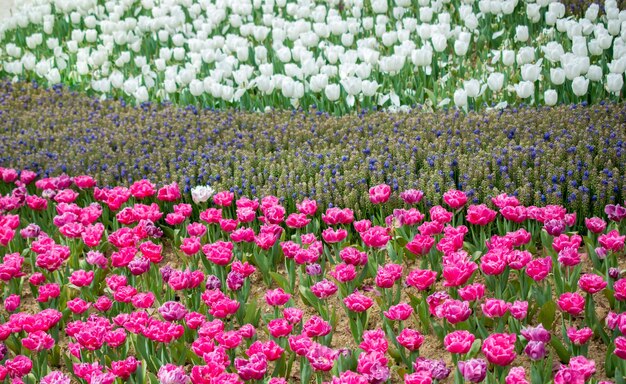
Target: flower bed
338, 55
131, 283
572, 156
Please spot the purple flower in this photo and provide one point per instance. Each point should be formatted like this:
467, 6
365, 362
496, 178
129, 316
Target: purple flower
474, 370
554, 227
615, 212
313, 269
538, 333
536, 350
235, 280
213, 282
172, 311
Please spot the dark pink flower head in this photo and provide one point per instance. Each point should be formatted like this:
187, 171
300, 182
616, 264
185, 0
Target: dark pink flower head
595, 224
353, 256
572, 303
422, 279
480, 214
499, 348
376, 237
412, 196
421, 244
324, 289
380, 194
173, 374
583, 366
373, 365
516, 375
519, 309
538, 269
331, 235
454, 311
440, 214
567, 375
399, 312
569, 257
493, 308
307, 207
276, 297
223, 198
455, 198
472, 292
579, 336
56, 377
612, 241
459, 342
515, 214
374, 340
357, 302
335, 216
252, 369
169, 192
321, 357
592, 283
410, 339
316, 326
387, 276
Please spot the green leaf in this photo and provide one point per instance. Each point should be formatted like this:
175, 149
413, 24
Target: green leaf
560, 349
547, 314
280, 280
473, 352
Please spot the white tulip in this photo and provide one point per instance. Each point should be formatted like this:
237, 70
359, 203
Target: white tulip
54, 76
550, 97
592, 12
352, 85
524, 89
460, 98
48, 24
472, 88
550, 18
379, 6
422, 57
369, 88
201, 193
594, 73
318, 83
439, 42
508, 57
531, 72
557, 76
557, 8
614, 82
508, 6
533, 11
580, 85
521, 33
347, 39
460, 47
525, 55
471, 22
178, 53
495, 81
426, 14
265, 84
332, 92
594, 48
